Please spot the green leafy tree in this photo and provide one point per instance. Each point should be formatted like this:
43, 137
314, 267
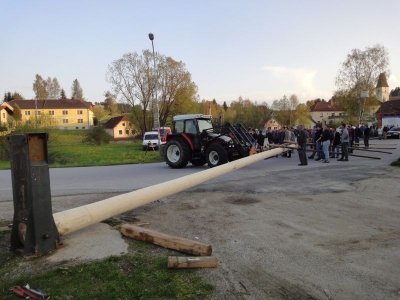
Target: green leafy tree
62, 94
39, 87
225, 106
100, 113
17, 115
282, 111
395, 92
175, 87
97, 135
110, 104
76, 90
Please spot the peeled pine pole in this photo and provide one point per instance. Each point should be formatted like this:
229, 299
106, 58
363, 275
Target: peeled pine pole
80, 217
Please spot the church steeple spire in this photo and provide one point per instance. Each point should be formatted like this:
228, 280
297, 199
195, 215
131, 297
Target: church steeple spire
382, 82
382, 88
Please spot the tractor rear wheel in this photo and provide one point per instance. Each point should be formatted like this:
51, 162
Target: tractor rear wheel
216, 155
177, 154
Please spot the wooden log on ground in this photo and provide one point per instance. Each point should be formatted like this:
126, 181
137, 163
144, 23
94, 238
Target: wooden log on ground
166, 240
179, 262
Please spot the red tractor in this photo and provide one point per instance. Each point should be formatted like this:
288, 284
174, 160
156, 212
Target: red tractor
194, 139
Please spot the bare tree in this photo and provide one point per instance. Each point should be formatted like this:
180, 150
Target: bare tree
359, 72
134, 79
131, 78
53, 88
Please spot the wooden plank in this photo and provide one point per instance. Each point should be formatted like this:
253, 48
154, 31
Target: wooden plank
165, 240
179, 262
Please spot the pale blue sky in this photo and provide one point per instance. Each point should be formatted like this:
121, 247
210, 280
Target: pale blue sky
260, 50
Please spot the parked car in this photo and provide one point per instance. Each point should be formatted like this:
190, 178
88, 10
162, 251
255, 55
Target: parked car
393, 133
150, 140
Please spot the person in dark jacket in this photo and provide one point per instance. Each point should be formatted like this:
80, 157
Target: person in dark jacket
336, 144
357, 136
325, 142
367, 132
302, 136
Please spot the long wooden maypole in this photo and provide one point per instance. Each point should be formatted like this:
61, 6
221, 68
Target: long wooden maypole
80, 217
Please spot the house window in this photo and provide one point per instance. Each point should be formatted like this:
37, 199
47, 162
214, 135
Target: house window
4, 115
123, 124
333, 114
120, 132
65, 121
65, 112
27, 113
127, 131
38, 113
80, 120
51, 112
80, 112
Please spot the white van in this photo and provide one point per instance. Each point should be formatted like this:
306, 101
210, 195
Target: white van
150, 140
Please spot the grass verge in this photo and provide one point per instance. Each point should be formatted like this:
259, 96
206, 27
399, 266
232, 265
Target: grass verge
141, 274
65, 149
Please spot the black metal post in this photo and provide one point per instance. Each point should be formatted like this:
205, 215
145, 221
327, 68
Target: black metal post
34, 231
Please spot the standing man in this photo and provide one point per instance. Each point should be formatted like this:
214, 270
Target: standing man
367, 132
325, 142
344, 139
302, 144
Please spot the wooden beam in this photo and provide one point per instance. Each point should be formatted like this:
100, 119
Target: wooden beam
179, 262
166, 240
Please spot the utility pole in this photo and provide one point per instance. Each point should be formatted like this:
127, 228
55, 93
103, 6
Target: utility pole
155, 107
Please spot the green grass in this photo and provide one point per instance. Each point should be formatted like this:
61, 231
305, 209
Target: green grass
81, 155
65, 149
141, 274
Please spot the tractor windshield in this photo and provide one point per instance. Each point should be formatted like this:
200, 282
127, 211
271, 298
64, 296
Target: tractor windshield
204, 124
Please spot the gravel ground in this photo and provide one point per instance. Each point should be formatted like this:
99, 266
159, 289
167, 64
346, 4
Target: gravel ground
279, 231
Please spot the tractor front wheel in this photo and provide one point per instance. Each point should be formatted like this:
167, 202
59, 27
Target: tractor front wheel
177, 154
216, 155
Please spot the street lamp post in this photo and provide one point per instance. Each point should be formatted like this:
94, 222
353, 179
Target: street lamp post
155, 107
156, 114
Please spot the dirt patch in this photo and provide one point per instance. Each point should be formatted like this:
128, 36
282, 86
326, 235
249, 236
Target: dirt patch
241, 200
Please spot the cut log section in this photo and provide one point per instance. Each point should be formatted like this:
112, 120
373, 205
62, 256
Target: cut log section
165, 240
179, 262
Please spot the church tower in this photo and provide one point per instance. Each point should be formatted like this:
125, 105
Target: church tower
382, 88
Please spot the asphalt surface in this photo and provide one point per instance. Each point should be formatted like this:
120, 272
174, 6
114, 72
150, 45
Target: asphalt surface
280, 231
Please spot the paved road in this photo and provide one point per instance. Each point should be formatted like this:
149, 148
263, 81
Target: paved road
279, 231
125, 178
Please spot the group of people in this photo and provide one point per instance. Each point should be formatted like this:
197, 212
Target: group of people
325, 142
